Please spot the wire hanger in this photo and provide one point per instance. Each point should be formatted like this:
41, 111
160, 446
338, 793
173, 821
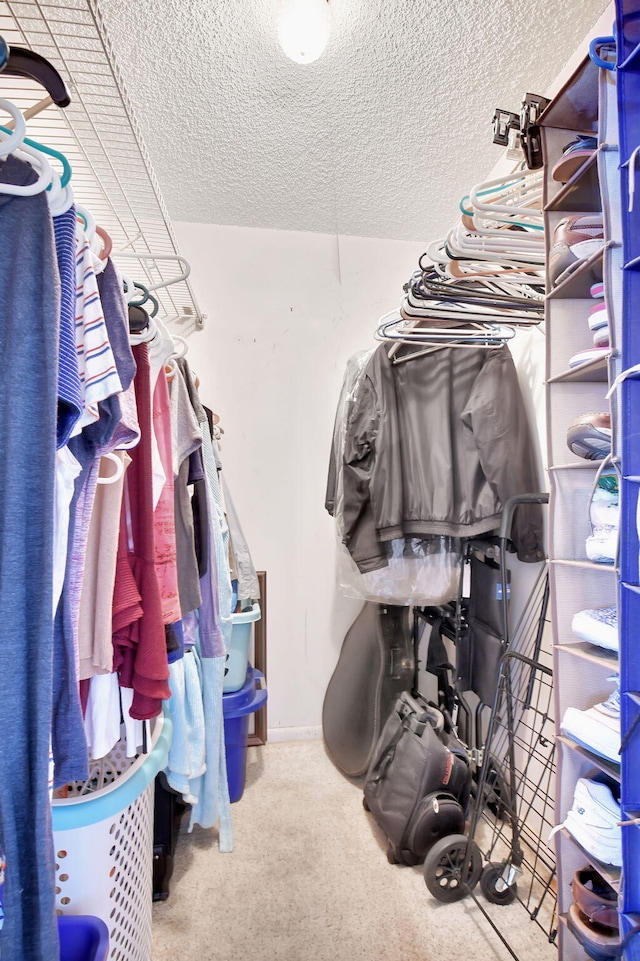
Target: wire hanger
399, 331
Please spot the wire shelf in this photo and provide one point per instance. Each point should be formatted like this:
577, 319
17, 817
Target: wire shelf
112, 173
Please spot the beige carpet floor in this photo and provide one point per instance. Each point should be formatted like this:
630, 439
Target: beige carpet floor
308, 880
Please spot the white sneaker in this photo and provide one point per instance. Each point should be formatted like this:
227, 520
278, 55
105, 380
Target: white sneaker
602, 544
598, 627
594, 821
597, 728
604, 513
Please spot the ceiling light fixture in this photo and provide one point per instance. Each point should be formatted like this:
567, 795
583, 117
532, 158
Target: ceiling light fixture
303, 29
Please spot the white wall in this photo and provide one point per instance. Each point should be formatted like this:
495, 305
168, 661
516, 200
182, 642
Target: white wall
285, 311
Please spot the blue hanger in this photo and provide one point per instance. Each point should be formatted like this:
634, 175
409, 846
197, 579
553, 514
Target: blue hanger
66, 166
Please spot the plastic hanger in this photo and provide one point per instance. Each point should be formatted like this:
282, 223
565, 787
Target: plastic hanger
186, 267
182, 341
88, 221
138, 320
144, 336
15, 137
50, 152
107, 243
532, 192
60, 198
115, 477
146, 298
19, 62
41, 166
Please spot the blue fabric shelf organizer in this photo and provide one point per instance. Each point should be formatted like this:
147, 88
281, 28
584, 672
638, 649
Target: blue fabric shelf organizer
628, 94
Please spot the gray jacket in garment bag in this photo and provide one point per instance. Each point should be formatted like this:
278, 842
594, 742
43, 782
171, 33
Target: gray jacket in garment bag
436, 445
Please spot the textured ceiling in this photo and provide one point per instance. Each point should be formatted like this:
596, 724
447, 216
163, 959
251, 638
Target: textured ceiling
378, 138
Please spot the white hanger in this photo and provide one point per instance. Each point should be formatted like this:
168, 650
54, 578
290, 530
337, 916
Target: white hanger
89, 221
529, 188
60, 198
115, 477
186, 267
146, 335
131, 293
182, 342
20, 149
10, 142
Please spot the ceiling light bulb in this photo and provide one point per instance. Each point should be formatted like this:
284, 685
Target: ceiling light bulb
303, 29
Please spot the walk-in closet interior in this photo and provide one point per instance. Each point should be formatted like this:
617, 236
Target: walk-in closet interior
319, 489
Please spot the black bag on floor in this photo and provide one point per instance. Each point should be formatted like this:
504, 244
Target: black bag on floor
418, 784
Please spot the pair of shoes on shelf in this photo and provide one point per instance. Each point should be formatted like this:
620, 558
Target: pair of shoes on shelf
598, 728
598, 626
604, 517
598, 321
593, 916
575, 239
589, 435
598, 317
574, 155
594, 820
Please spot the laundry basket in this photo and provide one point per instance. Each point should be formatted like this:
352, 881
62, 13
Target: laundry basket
104, 845
235, 673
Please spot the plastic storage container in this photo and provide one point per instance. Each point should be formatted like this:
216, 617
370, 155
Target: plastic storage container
236, 709
83, 938
238, 653
104, 845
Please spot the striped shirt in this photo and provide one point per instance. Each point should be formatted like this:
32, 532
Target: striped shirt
96, 364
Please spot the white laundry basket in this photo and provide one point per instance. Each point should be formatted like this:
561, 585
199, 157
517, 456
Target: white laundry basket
104, 845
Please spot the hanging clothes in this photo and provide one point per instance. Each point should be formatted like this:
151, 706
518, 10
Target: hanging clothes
140, 656
30, 317
436, 446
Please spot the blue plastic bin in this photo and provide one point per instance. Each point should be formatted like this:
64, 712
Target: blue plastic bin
238, 654
83, 938
236, 709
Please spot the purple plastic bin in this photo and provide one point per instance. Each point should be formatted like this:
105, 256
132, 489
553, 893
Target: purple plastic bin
83, 938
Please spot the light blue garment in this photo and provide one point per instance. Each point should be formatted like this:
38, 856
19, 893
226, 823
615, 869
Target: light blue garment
186, 760
214, 806
220, 535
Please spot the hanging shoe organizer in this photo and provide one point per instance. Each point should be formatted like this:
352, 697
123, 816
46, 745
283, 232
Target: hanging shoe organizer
585, 107
627, 75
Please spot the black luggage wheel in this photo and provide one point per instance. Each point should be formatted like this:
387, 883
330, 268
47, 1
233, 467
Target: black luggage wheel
445, 866
489, 881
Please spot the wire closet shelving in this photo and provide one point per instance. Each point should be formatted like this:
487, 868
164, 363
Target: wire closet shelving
112, 173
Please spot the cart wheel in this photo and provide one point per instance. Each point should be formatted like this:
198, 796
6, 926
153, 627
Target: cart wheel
488, 881
365, 805
444, 866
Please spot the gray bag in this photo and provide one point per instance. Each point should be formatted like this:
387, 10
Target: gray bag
418, 784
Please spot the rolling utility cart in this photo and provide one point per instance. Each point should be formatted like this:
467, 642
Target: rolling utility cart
505, 849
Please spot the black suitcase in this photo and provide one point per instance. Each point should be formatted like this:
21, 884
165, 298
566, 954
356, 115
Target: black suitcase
418, 784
